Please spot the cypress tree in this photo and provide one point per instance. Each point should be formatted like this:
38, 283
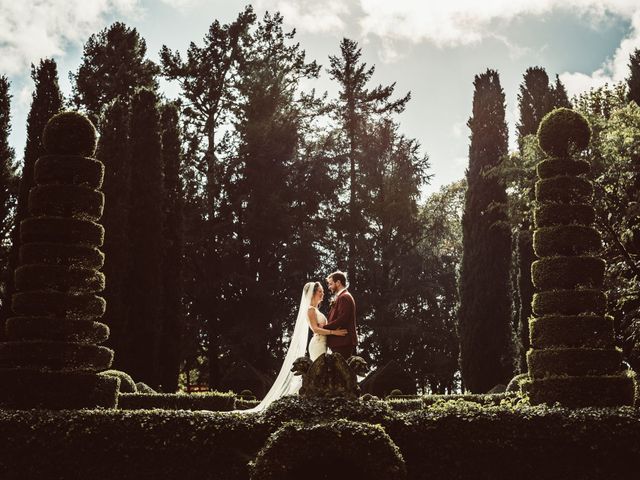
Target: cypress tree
560, 96
172, 315
485, 295
633, 82
46, 102
114, 152
7, 182
144, 281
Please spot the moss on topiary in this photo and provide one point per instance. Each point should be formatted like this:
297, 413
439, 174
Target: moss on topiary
553, 167
127, 385
551, 214
590, 331
70, 201
574, 361
61, 230
566, 240
567, 272
56, 356
563, 130
59, 278
85, 306
70, 133
69, 170
564, 189
80, 256
569, 302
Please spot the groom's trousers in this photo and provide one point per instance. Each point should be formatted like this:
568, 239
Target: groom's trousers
345, 351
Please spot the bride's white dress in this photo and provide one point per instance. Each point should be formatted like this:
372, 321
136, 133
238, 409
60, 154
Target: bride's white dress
318, 343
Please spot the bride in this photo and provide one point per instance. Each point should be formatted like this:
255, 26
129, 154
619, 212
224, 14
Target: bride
309, 317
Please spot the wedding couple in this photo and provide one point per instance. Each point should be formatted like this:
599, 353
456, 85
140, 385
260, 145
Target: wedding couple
338, 333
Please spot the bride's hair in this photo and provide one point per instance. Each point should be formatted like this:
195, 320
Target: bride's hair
316, 286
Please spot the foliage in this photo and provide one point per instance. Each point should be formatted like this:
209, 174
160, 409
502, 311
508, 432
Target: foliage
562, 130
214, 401
70, 133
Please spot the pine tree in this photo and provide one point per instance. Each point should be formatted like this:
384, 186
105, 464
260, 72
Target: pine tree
485, 295
633, 82
47, 100
113, 65
114, 151
355, 104
7, 184
144, 280
171, 315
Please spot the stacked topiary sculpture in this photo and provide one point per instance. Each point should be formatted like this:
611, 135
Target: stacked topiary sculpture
52, 358
573, 359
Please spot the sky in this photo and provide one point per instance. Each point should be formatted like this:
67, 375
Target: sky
432, 48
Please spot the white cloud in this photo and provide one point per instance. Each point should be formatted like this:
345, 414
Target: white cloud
313, 16
614, 70
35, 29
183, 4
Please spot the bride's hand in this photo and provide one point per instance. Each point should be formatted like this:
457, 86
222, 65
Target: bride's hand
341, 332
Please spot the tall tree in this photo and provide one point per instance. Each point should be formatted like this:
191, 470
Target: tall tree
633, 82
171, 315
144, 280
559, 94
7, 185
113, 65
114, 150
355, 104
208, 79
46, 101
485, 292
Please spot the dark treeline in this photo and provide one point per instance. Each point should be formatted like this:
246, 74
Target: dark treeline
221, 204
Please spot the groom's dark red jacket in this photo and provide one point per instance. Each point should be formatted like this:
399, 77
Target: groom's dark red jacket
342, 315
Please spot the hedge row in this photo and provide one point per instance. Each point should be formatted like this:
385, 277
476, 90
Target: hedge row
58, 329
460, 440
590, 331
215, 401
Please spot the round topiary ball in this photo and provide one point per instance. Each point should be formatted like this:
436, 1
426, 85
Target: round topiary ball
561, 129
70, 133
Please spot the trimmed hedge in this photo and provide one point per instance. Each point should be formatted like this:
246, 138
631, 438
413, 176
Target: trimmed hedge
214, 401
340, 449
61, 230
486, 399
70, 133
564, 189
566, 240
72, 201
569, 302
561, 130
590, 331
567, 272
579, 392
457, 440
56, 356
574, 361
83, 306
553, 167
24, 388
69, 170
57, 329
60, 278
80, 256
550, 214
127, 385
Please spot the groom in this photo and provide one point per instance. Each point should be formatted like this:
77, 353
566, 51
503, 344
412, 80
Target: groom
341, 315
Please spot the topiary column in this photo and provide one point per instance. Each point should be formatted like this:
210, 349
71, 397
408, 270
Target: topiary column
52, 358
573, 359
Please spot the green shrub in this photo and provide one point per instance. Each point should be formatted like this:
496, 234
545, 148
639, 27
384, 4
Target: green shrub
342, 449
483, 399
83, 306
27, 388
71, 201
563, 130
553, 167
515, 384
566, 240
70, 133
57, 329
567, 272
294, 407
590, 331
406, 403
215, 401
550, 214
127, 385
57, 356
60, 278
61, 230
564, 189
69, 170
574, 362
81, 256
242, 404
142, 387
569, 302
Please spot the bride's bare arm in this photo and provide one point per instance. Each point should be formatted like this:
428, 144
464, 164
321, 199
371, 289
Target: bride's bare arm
313, 323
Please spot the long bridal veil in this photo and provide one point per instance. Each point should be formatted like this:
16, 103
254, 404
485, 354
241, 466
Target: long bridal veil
287, 383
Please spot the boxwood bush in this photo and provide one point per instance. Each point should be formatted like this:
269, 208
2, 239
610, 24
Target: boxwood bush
215, 401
